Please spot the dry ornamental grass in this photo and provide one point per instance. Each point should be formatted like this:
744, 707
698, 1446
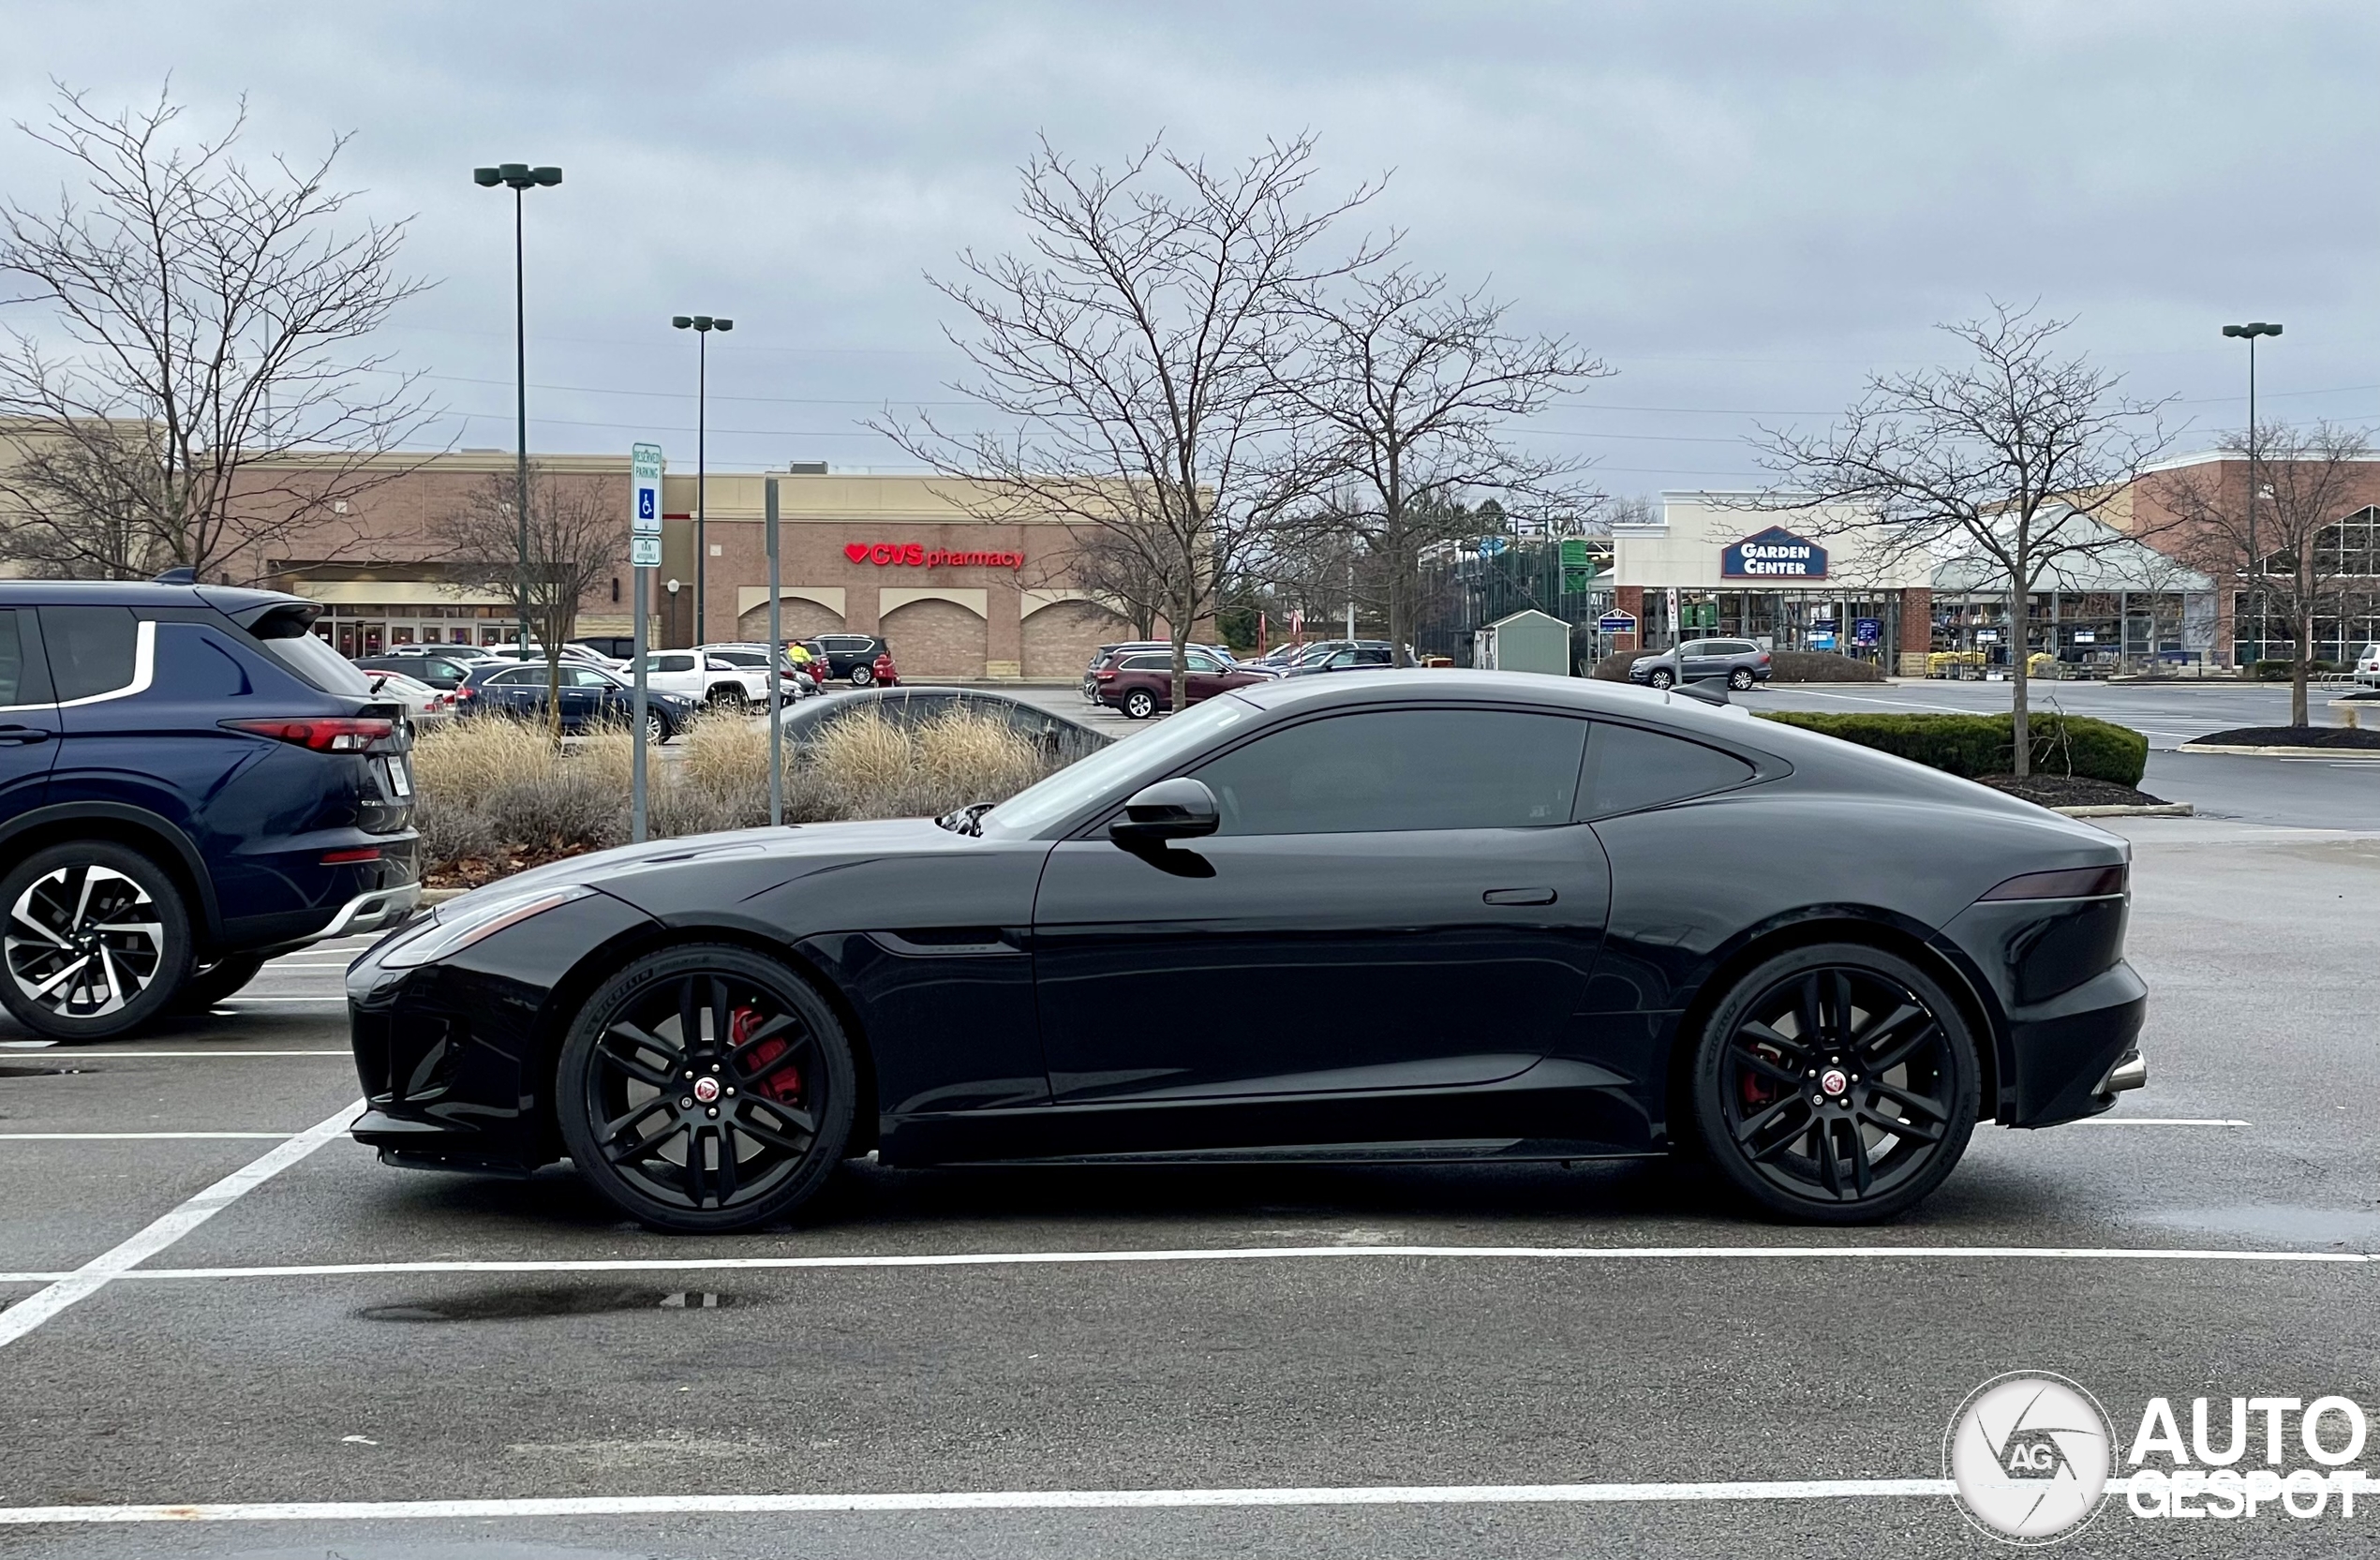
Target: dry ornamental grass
494, 795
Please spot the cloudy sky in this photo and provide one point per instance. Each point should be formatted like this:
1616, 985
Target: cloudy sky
1744, 207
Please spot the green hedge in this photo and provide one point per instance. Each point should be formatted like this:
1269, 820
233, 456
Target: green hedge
1976, 745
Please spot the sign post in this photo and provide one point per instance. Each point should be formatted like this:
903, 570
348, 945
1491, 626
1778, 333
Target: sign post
776, 671
644, 554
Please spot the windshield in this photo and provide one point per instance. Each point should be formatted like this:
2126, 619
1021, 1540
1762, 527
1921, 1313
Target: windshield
1037, 807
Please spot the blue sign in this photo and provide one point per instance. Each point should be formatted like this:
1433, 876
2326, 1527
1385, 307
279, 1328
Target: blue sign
1776, 554
1616, 622
644, 503
1868, 632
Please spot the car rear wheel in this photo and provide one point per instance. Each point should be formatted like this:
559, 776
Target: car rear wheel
705, 1089
98, 940
657, 728
862, 674
1661, 676
1836, 1084
1739, 679
211, 983
728, 698
1140, 704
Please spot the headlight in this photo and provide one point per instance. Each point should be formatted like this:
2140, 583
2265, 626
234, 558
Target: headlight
458, 925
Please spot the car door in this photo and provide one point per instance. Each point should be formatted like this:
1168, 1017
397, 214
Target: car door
1202, 677
28, 718
1396, 900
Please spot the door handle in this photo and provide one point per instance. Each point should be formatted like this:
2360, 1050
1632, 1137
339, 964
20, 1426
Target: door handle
21, 735
1519, 895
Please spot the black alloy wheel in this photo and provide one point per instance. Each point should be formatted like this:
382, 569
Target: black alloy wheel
1739, 679
862, 674
705, 1089
98, 940
1661, 676
1836, 1084
210, 984
1140, 704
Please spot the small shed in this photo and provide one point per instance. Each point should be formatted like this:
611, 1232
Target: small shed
1528, 641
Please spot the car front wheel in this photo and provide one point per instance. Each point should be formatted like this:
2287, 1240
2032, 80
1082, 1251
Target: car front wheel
1140, 704
1836, 1084
1739, 679
656, 728
862, 675
705, 1089
1661, 677
98, 940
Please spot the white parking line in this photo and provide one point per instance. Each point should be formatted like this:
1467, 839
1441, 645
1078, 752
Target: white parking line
2160, 1120
95, 1275
115, 1137
104, 1056
985, 1500
1228, 1253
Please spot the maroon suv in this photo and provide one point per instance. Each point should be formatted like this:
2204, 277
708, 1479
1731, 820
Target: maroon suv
1141, 684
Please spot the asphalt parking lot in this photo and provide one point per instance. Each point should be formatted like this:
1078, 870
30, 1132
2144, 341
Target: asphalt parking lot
1169, 1362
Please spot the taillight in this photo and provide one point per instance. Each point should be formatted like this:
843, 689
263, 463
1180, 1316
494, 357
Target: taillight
330, 735
1763, 657
1106, 674
467, 692
2074, 883
344, 858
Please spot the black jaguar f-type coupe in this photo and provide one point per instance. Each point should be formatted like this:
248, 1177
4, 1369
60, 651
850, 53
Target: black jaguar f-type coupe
1420, 915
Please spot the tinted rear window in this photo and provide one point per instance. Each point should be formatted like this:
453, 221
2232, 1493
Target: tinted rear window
316, 662
1629, 769
90, 649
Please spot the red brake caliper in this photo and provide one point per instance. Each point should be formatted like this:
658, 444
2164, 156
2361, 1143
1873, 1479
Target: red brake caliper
784, 1084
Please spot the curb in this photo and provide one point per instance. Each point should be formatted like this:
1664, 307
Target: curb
2367, 753
2126, 810
440, 895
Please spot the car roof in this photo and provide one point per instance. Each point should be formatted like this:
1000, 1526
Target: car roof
231, 600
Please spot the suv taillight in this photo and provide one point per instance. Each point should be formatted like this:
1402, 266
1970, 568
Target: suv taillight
1106, 674
327, 735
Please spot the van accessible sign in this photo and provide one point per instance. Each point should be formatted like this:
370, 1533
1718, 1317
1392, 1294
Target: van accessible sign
1775, 554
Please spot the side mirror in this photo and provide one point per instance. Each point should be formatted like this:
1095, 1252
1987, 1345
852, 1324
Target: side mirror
1178, 809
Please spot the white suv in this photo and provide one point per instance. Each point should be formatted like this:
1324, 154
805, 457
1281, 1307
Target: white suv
707, 679
2368, 666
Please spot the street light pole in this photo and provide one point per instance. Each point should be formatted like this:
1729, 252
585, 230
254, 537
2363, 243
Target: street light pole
702, 325
2255, 569
519, 177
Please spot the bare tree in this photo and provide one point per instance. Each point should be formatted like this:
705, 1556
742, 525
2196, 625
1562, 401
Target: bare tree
1109, 567
2282, 542
2010, 460
575, 537
1138, 345
200, 396
1405, 386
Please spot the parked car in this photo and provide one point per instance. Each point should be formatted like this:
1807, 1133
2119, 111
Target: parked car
443, 669
590, 697
1053, 734
1141, 684
1351, 657
1108, 655
2368, 666
849, 656
1676, 929
1737, 662
707, 679
792, 684
571, 651
190, 783
424, 706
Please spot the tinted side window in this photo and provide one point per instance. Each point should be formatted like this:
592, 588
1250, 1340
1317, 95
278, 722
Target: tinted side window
1629, 769
90, 649
1393, 770
673, 663
21, 679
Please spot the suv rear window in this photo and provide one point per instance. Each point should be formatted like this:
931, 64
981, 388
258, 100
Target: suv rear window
91, 649
311, 659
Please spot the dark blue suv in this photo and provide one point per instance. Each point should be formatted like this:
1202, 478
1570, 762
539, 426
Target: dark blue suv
190, 783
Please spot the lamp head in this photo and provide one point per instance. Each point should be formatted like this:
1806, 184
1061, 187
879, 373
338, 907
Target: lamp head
2235, 330
547, 176
730, 324
488, 178
680, 321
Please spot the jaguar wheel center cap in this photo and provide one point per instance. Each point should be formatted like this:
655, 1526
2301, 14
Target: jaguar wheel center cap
706, 1090
1834, 1081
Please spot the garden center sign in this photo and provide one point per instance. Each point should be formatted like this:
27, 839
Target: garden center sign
1776, 554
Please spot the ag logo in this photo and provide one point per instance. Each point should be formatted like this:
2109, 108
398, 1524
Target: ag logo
2028, 1454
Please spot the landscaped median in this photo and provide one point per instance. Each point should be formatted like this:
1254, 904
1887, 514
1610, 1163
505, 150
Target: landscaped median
2084, 767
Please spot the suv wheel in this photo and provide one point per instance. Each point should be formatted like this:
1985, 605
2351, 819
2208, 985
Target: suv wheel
1140, 704
1661, 676
727, 696
1739, 679
657, 730
98, 940
862, 674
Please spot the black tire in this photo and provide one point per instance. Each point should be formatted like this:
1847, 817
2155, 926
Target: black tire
1140, 704
862, 674
1661, 676
211, 983
1739, 679
757, 1131
1858, 1126
656, 727
54, 934
727, 697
